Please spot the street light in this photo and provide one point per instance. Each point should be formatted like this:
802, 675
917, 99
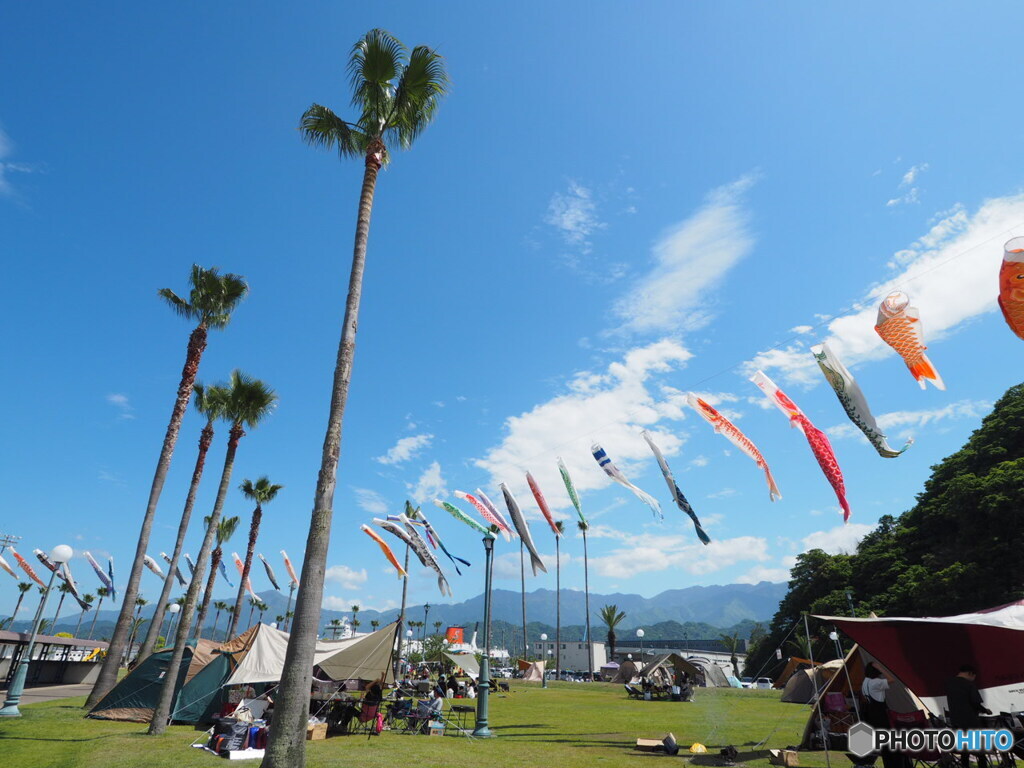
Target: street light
640, 634
482, 729
426, 610
408, 647
172, 612
544, 674
550, 654
59, 555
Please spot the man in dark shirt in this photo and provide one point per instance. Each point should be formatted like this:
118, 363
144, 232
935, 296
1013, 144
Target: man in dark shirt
965, 707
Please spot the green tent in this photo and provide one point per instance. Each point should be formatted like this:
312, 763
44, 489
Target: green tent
135, 697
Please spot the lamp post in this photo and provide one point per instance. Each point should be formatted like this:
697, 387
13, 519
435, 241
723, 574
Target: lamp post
550, 654
544, 674
426, 610
640, 634
172, 612
408, 646
482, 730
59, 555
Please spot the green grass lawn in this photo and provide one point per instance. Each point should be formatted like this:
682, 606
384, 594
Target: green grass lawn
566, 726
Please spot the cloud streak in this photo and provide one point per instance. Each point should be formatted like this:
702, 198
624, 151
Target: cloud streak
406, 448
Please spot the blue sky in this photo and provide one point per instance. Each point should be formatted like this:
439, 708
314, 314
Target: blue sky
616, 205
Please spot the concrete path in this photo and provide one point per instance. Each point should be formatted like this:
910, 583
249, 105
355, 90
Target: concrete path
51, 692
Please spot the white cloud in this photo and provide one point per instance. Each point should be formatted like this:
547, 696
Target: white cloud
690, 259
574, 215
646, 553
761, 573
348, 578
7, 168
842, 538
948, 275
371, 501
908, 193
700, 461
902, 423
430, 485
406, 448
123, 405
801, 329
506, 566
722, 494
610, 408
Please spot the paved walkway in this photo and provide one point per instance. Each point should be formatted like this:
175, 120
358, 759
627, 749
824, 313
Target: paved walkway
51, 692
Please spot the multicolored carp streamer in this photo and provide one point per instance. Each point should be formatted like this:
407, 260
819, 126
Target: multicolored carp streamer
6, 567
288, 567
42, 558
191, 565
241, 571
1011, 285
542, 503
729, 431
494, 511
99, 571
820, 446
419, 547
65, 574
152, 564
461, 516
433, 537
899, 325
496, 520
110, 575
523, 528
615, 474
270, 572
571, 489
385, 549
177, 571
853, 400
23, 564
224, 572
673, 488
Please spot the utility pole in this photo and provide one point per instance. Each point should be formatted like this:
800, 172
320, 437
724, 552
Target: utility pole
7, 540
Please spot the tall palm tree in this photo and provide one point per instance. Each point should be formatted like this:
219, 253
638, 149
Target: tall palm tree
102, 592
396, 93
248, 403
220, 605
732, 643
374, 624
209, 402
23, 587
88, 600
335, 625
64, 589
437, 627
584, 527
212, 298
558, 599
253, 602
225, 530
262, 492
263, 607
612, 617
140, 602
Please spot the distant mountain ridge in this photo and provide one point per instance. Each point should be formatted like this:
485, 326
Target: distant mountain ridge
720, 606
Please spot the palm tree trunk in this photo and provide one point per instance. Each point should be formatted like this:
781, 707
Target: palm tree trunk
252, 607
108, 673
79, 625
586, 591
558, 608
522, 579
287, 745
216, 620
254, 532
57, 614
205, 438
162, 712
17, 607
92, 627
218, 555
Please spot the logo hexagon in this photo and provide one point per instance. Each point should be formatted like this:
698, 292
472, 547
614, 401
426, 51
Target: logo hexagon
861, 739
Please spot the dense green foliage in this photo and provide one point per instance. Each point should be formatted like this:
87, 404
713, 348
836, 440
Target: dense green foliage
955, 551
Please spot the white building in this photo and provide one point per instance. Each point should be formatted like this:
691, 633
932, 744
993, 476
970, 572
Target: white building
573, 654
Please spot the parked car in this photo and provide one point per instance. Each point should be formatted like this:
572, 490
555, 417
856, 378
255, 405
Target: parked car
763, 682
747, 682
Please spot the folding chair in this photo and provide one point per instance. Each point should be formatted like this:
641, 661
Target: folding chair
900, 721
366, 722
840, 718
634, 693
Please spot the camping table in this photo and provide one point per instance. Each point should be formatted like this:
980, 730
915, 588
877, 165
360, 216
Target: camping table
459, 715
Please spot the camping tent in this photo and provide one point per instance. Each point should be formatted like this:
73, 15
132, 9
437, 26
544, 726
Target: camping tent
467, 662
923, 653
804, 684
793, 665
609, 670
663, 668
205, 665
846, 678
713, 675
627, 672
255, 657
534, 671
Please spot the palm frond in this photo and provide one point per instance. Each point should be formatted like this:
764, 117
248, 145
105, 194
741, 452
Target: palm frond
226, 529
180, 307
210, 401
217, 295
423, 83
250, 400
376, 60
323, 129
262, 491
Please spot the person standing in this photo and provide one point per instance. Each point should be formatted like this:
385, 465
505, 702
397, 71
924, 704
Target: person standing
963, 701
876, 712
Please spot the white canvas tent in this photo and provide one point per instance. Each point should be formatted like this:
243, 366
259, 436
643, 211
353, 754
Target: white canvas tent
467, 661
366, 657
534, 672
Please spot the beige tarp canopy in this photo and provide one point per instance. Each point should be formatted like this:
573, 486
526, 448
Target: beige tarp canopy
467, 661
660, 670
367, 657
627, 673
534, 672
